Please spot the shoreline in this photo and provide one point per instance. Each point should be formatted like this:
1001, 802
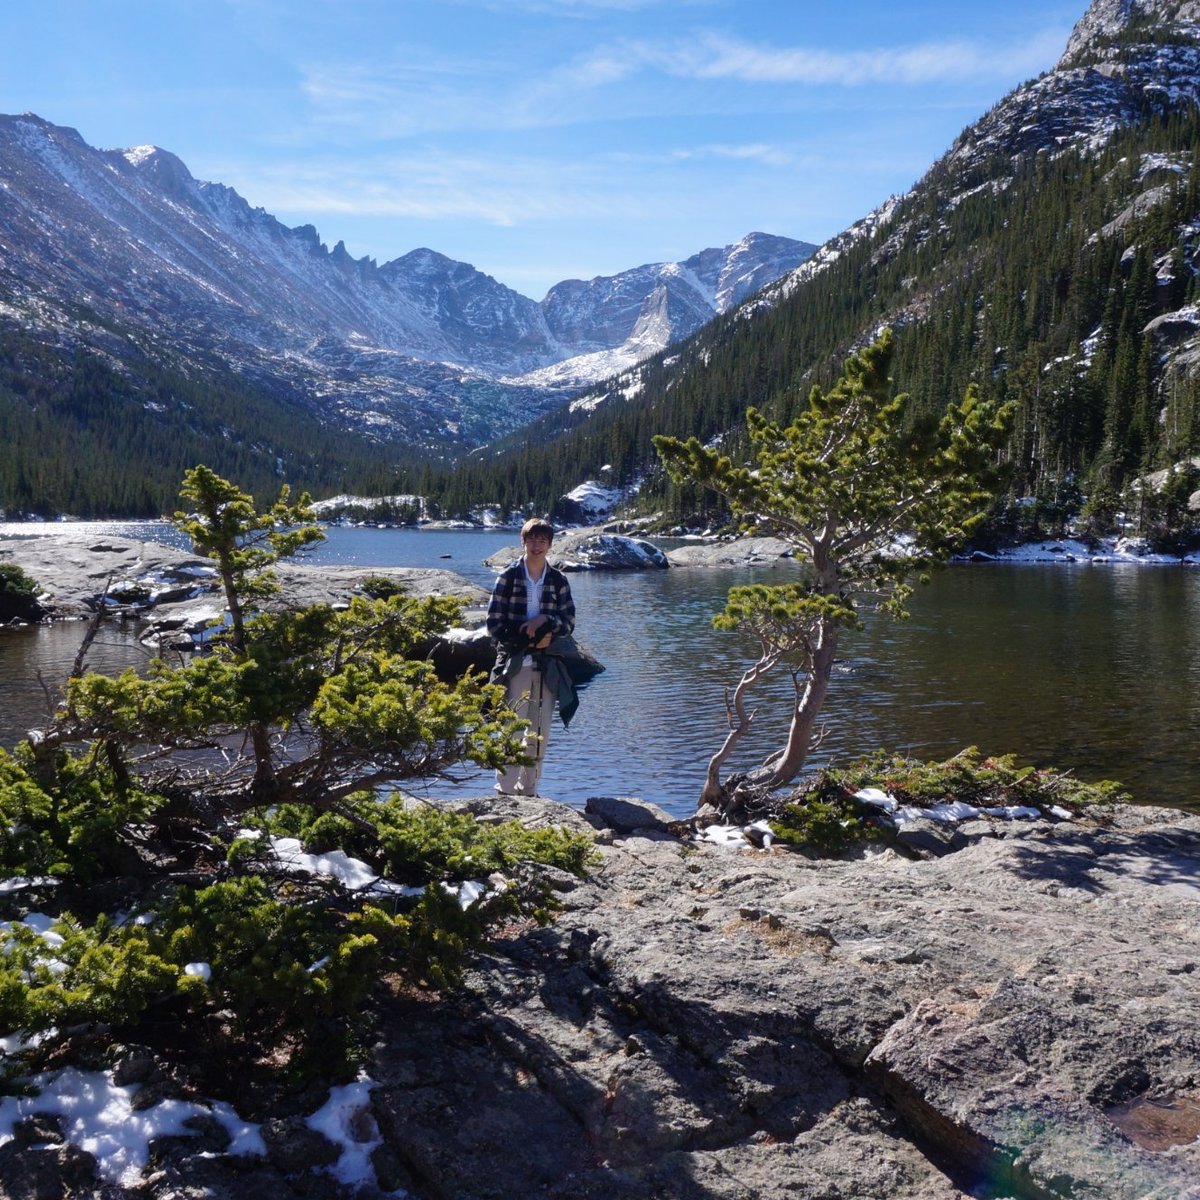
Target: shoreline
74, 562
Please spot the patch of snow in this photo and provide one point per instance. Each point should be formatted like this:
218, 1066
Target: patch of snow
738, 837
595, 498
365, 502
347, 1120
356, 875
100, 1118
1070, 550
948, 813
19, 883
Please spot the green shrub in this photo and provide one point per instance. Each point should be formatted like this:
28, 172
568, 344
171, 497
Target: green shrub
827, 824
146, 795
973, 778
83, 827
825, 817
18, 595
381, 587
295, 961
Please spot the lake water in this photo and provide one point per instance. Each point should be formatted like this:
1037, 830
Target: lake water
1095, 668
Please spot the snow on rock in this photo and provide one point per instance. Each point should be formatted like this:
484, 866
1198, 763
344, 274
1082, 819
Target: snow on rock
610, 551
347, 1121
1071, 550
947, 813
106, 1121
356, 875
350, 505
101, 1119
590, 501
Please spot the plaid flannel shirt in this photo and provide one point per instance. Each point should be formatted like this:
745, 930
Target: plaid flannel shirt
506, 610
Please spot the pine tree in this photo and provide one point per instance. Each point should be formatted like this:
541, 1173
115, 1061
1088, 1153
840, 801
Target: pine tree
866, 500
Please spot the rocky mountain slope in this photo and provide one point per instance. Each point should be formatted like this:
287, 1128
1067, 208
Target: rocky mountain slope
1050, 256
124, 253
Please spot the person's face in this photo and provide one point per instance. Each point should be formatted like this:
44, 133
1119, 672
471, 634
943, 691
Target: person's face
537, 541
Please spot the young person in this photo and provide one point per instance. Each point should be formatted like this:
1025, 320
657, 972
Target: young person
531, 604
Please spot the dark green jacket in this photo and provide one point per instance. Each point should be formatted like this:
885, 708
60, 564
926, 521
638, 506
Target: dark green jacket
554, 664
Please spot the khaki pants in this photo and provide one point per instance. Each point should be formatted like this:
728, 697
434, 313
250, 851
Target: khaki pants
530, 700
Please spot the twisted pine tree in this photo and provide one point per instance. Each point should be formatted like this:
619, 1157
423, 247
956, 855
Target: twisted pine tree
869, 499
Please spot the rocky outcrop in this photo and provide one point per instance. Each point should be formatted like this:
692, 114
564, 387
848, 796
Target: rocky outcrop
741, 552
697, 1023
1008, 1014
592, 550
1108, 19
149, 579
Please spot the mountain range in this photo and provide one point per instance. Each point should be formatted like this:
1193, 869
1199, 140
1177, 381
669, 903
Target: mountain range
1051, 256
119, 252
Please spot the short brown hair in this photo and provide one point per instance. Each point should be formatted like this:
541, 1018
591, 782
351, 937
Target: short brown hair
537, 525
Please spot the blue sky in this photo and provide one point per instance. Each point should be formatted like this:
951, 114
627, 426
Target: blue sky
539, 140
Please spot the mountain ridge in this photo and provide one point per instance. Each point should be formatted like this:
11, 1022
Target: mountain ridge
1051, 256
422, 347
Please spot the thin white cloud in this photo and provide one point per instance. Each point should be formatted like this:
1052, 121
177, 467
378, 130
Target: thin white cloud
760, 152
582, 8
497, 191
412, 92
714, 56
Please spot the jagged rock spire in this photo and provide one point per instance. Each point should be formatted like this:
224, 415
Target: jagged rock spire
1105, 18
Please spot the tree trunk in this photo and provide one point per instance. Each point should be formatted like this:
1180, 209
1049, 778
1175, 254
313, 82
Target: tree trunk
739, 724
786, 765
260, 738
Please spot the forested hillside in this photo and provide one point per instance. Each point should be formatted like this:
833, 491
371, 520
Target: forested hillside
1050, 256
1059, 281
82, 439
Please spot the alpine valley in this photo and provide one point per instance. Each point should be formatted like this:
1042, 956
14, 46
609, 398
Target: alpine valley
149, 320
1050, 256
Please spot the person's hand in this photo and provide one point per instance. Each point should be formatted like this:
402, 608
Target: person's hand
531, 627
543, 641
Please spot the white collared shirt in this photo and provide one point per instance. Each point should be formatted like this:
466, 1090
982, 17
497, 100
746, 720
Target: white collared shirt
533, 592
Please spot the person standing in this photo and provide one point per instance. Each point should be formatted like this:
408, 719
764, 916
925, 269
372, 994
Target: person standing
531, 605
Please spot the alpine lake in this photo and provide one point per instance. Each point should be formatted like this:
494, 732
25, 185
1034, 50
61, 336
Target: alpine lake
1092, 668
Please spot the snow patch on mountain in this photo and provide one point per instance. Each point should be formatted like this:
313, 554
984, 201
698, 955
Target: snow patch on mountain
124, 252
595, 499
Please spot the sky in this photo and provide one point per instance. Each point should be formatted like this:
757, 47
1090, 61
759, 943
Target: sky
538, 140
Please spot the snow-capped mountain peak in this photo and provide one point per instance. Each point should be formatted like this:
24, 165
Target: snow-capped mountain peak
129, 240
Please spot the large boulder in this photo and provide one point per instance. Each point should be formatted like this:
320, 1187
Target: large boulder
458, 651
740, 552
592, 550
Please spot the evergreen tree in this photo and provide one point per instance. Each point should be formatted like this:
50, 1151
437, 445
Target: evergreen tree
164, 798
866, 500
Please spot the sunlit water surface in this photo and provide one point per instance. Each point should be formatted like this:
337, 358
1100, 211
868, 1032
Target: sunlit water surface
1091, 668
